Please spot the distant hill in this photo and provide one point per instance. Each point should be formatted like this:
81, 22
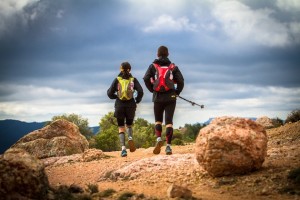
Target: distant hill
95, 129
12, 130
208, 121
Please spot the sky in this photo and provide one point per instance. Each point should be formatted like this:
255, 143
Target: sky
238, 57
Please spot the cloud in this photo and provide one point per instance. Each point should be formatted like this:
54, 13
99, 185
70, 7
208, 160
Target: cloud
31, 93
294, 28
44, 111
145, 9
60, 13
288, 5
244, 25
41, 103
65, 55
10, 7
243, 100
12, 14
166, 23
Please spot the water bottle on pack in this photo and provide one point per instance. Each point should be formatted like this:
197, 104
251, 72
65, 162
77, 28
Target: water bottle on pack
131, 85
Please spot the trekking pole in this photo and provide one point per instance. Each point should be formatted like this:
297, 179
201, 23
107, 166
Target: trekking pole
191, 102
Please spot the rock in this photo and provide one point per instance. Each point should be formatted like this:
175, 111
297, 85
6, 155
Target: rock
22, 176
55, 161
60, 138
231, 145
92, 154
154, 164
176, 191
265, 122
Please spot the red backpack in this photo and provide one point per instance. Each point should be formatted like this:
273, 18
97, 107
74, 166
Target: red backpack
163, 78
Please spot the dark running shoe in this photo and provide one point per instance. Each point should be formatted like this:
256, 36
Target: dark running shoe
168, 150
131, 145
124, 153
157, 147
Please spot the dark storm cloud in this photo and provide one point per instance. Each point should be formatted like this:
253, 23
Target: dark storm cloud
265, 67
66, 54
63, 39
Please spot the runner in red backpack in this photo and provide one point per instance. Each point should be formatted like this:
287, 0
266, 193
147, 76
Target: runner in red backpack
165, 87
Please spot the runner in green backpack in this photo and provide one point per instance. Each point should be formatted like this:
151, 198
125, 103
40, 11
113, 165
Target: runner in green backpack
122, 89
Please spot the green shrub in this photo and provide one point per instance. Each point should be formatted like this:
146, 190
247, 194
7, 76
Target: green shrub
62, 192
178, 142
295, 175
107, 193
92, 188
126, 195
277, 122
294, 116
83, 197
75, 189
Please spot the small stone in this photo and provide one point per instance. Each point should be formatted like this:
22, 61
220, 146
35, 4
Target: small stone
176, 191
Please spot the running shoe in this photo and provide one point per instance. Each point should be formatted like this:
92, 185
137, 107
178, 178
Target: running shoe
168, 150
131, 145
157, 147
124, 153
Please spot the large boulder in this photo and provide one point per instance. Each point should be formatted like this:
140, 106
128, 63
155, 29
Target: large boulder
231, 145
60, 138
22, 176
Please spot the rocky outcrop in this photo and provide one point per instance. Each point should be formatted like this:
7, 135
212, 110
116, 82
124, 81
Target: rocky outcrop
60, 138
231, 145
88, 156
22, 176
152, 165
265, 121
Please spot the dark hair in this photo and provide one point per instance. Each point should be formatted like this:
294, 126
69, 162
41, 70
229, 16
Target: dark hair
125, 70
162, 51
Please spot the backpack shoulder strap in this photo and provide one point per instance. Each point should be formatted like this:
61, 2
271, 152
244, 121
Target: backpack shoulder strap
156, 65
171, 66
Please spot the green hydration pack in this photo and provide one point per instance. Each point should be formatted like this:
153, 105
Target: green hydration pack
125, 88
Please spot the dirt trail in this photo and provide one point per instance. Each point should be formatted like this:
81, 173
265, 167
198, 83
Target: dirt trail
142, 172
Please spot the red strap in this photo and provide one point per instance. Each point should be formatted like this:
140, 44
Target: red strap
156, 65
171, 66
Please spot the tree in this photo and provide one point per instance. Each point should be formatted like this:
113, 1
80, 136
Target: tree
107, 139
78, 120
294, 116
143, 133
108, 121
191, 131
277, 122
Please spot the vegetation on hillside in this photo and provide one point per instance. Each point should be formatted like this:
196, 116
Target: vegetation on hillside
294, 116
107, 138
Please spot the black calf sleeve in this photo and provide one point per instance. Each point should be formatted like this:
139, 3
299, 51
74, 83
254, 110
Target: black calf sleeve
158, 130
169, 134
